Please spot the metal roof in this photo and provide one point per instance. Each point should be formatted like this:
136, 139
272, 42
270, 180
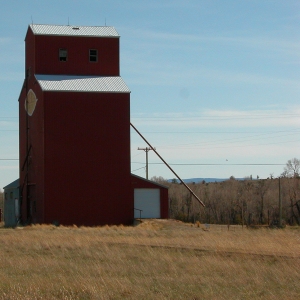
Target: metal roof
14, 184
68, 83
69, 30
150, 181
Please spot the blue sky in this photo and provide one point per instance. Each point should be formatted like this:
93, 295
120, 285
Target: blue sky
215, 85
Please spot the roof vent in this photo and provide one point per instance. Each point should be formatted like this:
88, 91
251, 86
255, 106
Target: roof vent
75, 28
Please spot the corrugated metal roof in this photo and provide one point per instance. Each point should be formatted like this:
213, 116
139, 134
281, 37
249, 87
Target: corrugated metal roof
68, 83
13, 184
63, 30
150, 181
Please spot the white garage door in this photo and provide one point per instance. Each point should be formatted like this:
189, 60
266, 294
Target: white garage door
148, 200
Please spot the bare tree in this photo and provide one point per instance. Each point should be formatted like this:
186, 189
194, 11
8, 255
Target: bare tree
292, 168
246, 202
160, 180
262, 188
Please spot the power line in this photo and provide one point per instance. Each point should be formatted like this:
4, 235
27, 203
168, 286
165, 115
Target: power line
223, 132
215, 145
214, 118
238, 141
191, 164
9, 159
138, 169
214, 164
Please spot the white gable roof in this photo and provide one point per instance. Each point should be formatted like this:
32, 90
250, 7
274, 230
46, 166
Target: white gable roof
69, 83
69, 30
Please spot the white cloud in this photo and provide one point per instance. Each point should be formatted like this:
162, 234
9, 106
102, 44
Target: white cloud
220, 119
214, 136
236, 40
234, 159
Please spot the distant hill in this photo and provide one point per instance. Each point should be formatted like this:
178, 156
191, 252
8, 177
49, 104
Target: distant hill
207, 180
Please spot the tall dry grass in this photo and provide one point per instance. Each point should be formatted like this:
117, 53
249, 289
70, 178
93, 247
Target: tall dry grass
155, 260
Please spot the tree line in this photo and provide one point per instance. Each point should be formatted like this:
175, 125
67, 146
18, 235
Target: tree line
246, 202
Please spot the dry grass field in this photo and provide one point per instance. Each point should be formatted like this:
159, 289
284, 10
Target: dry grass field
158, 259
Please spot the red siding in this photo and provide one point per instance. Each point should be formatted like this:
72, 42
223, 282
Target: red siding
164, 203
87, 158
42, 55
141, 183
79, 170
47, 58
29, 52
35, 159
22, 150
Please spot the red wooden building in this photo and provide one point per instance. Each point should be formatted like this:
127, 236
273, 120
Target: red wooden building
74, 113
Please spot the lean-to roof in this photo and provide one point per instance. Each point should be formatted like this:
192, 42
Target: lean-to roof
70, 83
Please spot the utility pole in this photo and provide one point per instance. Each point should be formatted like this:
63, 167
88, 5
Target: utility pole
280, 204
147, 149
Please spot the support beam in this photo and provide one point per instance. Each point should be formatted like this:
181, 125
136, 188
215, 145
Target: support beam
168, 165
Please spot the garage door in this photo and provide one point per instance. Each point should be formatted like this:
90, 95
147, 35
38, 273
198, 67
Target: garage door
148, 200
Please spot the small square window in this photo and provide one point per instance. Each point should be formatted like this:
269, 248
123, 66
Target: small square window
63, 54
93, 55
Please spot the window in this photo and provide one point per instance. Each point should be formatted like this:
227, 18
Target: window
63, 54
93, 55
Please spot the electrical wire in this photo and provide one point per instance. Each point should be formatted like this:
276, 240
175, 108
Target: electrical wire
214, 118
213, 164
138, 169
9, 159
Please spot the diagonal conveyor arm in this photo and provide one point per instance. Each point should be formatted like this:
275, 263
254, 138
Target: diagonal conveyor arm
168, 166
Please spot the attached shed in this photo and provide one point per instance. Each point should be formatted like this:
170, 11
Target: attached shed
150, 199
11, 204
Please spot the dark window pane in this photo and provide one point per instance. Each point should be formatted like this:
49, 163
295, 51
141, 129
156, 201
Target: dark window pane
93, 55
63, 54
